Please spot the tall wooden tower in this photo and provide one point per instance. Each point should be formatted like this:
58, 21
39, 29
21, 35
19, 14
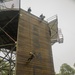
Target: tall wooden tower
27, 39
35, 36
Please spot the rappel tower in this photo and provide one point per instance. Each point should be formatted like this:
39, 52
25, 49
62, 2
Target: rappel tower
26, 40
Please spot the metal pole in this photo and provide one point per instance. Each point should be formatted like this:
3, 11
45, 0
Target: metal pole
11, 61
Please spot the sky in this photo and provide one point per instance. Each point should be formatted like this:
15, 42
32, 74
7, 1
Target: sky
65, 10
9, 3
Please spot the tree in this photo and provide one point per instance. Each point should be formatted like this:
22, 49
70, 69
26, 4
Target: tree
4, 67
66, 69
57, 74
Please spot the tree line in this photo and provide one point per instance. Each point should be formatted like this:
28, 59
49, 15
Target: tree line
66, 69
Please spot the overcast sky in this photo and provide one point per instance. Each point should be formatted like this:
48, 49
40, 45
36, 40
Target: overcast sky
65, 9
8, 4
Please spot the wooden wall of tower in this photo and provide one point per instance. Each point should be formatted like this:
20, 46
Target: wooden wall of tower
33, 36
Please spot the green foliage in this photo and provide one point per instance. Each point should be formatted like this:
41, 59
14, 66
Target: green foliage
57, 74
66, 69
4, 67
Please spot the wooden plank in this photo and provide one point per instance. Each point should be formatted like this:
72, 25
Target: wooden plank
33, 37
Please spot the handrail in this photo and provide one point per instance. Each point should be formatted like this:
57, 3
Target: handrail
52, 18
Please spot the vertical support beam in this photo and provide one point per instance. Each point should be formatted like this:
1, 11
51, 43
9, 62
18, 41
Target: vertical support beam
10, 61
